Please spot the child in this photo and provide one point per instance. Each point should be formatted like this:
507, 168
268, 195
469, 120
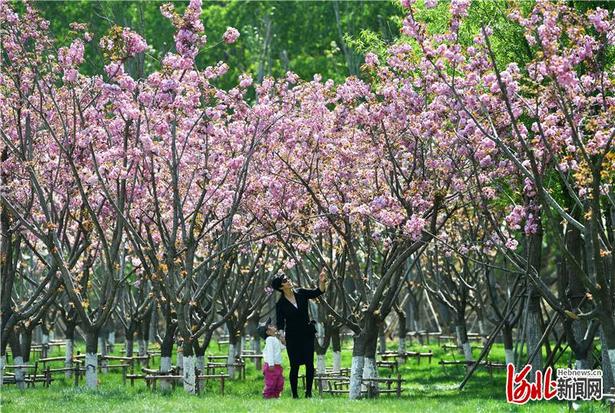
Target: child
272, 360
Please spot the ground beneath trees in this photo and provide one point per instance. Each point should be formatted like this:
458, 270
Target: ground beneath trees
429, 388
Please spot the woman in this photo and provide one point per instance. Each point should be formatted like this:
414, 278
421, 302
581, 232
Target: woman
293, 322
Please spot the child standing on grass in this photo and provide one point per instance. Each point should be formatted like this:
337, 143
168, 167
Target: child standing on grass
272, 360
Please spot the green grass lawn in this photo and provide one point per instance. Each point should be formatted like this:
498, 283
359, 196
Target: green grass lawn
428, 388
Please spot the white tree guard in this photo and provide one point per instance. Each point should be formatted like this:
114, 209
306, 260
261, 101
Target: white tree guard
91, 367
320, 364
20, 374
165, 367
337, 361
189, 375
68, 356
356, 374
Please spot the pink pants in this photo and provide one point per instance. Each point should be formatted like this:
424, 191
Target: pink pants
274, 381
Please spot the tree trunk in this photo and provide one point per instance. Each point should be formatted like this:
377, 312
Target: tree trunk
607, 338
102, 346
370, 370
364, 345
382, 340
111, 341
180, 358
165, 367
336, 346
20, 374
2, 364
129, 343
199, 353
533, 333
91, 359
70, 342
230, 359
153, 326
401, 333
44, 340
462, 336
142, 347
26, 345
507, 337
166, 352
533, 327
356, 369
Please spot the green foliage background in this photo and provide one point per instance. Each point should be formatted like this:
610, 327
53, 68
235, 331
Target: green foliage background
308, 37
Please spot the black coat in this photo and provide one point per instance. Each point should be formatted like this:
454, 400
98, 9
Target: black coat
295, 322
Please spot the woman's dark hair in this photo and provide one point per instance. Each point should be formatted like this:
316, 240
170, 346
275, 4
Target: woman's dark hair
276, 282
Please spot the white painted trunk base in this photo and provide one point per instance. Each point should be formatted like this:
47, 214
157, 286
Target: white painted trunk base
189, 375
68, 356
611, 353
337, 361
320, 364
483, 333
2, 364
370, 371
91, 366
510, 356
356, 373
200, 364
230, 360
20, 374
111, 340
401, 345
165, 367
467, 351
45, 346
102, 347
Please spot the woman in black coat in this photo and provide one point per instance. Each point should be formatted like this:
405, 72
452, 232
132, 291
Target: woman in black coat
292, 318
